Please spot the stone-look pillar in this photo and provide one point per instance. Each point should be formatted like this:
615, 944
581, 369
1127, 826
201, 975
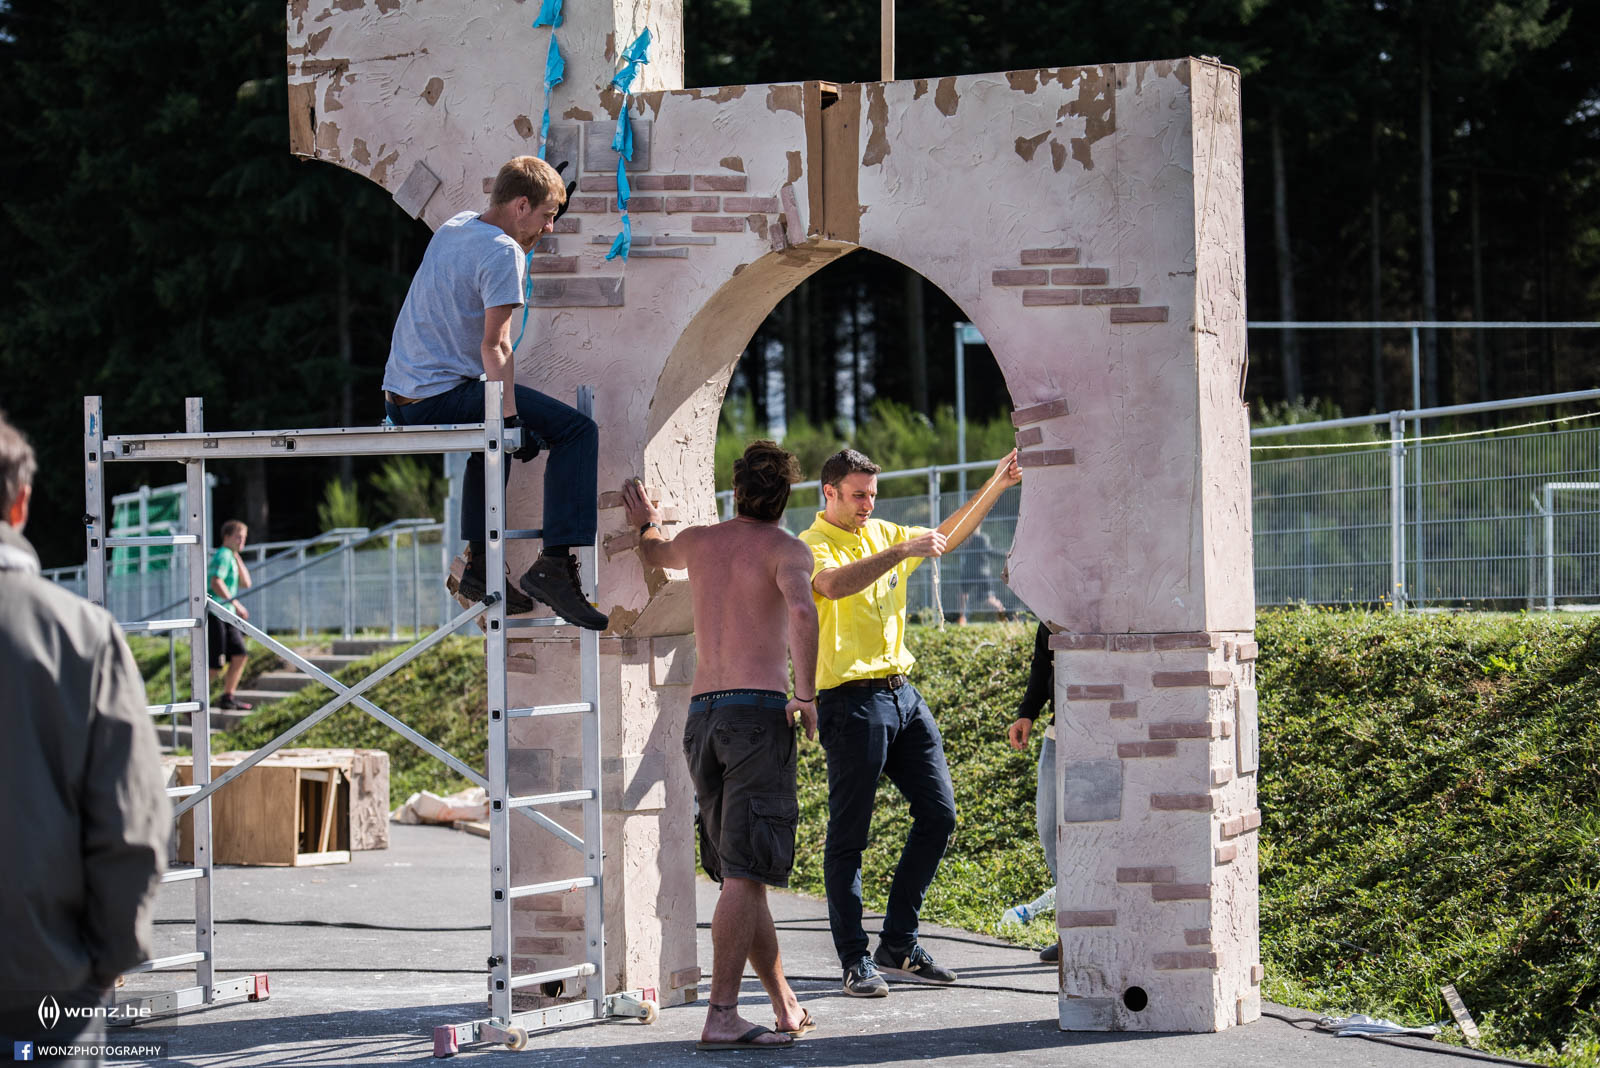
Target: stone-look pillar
649, 885
1156, 768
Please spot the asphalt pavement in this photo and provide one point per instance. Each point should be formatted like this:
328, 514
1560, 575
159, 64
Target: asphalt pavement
365, 958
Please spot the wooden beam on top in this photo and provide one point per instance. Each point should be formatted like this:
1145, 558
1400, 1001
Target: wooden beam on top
886, 41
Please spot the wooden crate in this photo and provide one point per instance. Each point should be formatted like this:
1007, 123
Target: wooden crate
296, 808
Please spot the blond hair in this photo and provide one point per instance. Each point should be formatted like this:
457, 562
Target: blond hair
527, 176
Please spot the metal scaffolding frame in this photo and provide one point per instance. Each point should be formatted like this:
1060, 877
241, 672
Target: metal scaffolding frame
194, 448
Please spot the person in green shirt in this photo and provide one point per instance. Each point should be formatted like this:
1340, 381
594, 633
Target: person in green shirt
226, 575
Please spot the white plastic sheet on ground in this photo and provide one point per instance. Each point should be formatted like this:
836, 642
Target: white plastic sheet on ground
427, 807
1362, 1024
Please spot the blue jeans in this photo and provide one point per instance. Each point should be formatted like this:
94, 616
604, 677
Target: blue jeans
867, 733
571, 437
1044, 804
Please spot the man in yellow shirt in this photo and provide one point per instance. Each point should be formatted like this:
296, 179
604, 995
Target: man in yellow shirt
872, 720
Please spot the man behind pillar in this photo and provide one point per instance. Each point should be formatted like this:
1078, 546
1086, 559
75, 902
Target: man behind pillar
87, 823
752, 603
456, 324
873, 721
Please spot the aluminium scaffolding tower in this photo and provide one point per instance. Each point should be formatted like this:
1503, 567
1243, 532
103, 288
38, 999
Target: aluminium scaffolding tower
195, 448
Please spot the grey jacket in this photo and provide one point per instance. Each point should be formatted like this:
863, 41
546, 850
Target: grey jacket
84, 833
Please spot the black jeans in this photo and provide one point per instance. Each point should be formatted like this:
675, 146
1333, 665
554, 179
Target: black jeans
867, 733
569, 475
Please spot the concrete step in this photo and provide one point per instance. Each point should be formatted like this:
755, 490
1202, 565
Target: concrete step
363, 646
282, 681
257, 698
333, 664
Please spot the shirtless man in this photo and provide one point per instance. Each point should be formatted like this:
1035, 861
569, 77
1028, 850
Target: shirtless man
751, 582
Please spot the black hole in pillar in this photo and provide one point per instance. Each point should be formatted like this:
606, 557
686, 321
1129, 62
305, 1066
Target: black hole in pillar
494, 714
499, 984
92, 457
494, 535
499, 895
1135, 998
494, 624
554, 988
497, 804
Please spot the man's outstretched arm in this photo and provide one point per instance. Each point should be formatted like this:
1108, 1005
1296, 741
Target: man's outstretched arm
836, 582
655, 548
964, 520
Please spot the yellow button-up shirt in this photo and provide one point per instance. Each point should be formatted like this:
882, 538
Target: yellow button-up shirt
862, 636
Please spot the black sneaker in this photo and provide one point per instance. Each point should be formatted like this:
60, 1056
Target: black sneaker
554, 580
230, 703
861, 980
474, 586
1051, 954
913, 963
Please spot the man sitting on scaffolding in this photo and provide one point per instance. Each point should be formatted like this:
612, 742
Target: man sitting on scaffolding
455, 325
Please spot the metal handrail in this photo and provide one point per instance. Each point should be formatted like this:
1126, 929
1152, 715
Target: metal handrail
391, 527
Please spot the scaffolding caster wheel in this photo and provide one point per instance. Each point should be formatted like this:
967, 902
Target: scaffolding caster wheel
651, 1012
517, 1038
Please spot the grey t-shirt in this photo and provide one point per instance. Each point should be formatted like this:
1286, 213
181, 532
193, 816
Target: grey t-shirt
470, 265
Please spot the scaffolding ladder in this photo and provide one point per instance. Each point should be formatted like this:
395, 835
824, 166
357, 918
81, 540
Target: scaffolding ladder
194, 448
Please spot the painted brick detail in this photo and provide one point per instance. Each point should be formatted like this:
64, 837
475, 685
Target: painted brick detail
525, 944
639, 204
558, 923
1220, 776
581, 204
1248, 651
1124, 709
1232, 828
541, 903
1197, 936
1046, 458
1181, 960
1181, 802
1168, 679
1087, 918
1138, 315
1192, 640
1069, 642
1257, 973
723, 183
1049, 255
547, 243
553, 265
1130, 643
601, 183
717, 224
685, 977
1031, 436
1122, 295
1080, 276
1041, 298
1021, 278
1131, 750
568, 225
1252, 819
1147, 875
1106, 692
1035, 413
1191, 728
748, 205
681, 204
1226, 854
656, 182
1181, 892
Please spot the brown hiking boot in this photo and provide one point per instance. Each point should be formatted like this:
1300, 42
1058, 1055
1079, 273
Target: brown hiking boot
554, 580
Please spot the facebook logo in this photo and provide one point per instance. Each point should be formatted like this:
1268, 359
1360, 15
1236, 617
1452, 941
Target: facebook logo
22, 1051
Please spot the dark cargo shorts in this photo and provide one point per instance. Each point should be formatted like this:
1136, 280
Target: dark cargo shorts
741, 752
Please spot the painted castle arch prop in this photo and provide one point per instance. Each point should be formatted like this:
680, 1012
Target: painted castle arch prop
1088, 220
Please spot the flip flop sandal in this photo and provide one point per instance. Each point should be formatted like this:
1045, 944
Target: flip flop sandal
807, 1025
746, 1041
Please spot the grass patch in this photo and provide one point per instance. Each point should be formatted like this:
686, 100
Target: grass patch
1429, 792
1428, 783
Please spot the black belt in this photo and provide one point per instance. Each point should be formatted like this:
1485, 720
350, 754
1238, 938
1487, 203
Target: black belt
887, 682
